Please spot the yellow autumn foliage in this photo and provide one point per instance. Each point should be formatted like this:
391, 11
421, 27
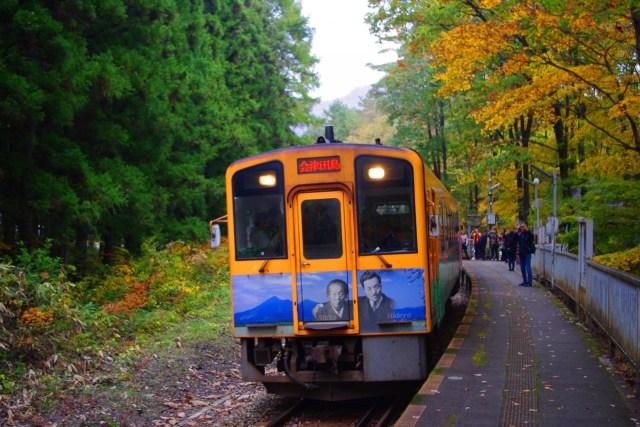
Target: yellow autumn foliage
483, 52
463, 50
627, 261
611, 165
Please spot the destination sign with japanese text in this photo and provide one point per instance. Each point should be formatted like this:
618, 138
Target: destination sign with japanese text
319, 164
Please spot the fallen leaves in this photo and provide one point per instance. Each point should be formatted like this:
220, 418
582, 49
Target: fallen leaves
171, 405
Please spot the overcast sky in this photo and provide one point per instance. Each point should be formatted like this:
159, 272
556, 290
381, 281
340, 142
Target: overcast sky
344, 46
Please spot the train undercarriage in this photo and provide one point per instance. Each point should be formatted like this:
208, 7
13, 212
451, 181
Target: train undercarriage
336, 368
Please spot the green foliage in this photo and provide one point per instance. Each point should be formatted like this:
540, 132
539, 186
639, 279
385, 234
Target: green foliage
359, 125
613, 204
120, 118
343, 119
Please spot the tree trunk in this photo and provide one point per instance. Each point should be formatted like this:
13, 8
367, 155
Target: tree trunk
522, 131
562, 142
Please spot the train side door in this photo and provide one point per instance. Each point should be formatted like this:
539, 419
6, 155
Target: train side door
323, 250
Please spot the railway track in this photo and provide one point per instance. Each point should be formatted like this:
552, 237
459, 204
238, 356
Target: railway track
379, 412
384, 413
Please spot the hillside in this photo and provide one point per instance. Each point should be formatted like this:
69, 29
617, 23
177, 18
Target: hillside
351, 100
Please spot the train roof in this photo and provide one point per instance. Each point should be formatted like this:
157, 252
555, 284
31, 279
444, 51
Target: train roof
330, 147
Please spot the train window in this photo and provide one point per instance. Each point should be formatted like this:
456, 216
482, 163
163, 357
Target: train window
258, 212
321, 229
386, 205
393, 208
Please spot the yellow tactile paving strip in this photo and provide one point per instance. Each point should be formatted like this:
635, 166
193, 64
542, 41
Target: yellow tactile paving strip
446, 360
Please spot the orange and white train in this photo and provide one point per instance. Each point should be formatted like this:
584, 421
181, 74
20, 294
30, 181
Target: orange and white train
342, 259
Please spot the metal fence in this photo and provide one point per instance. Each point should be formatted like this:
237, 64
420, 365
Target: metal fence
608, 297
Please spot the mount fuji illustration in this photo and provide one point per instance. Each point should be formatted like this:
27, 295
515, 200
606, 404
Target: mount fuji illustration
273, 310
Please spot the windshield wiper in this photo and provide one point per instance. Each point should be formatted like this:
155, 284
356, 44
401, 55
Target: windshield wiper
376, 252
272, 252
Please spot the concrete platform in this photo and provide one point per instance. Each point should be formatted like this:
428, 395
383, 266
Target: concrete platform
520, 358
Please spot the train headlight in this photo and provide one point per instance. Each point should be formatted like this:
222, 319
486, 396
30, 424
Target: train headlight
376, 172
267, 180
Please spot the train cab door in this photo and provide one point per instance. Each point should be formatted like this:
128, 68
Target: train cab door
323, 255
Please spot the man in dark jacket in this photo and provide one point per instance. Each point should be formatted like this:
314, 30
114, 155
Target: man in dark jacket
493, 244
526, 247
481, 247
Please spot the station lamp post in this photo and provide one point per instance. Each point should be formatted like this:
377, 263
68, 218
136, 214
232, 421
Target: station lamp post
552, 223
536, 204
491, 219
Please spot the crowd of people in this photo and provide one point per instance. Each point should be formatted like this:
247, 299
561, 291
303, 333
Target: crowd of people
506, 246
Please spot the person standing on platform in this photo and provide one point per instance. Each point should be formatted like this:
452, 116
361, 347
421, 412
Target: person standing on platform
526, 247
481, 247
501, 246
511, 246
475, 235
493, 244
464, 244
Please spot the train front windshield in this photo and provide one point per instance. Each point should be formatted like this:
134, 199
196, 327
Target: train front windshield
258, 209
386, 205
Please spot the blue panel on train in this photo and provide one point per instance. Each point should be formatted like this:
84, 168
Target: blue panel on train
387, 296
262, 299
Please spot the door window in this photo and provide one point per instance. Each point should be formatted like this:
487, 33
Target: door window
321, 229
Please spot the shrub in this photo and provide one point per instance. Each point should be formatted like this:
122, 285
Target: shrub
36, 316
47, 323
179, 278
627, 261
